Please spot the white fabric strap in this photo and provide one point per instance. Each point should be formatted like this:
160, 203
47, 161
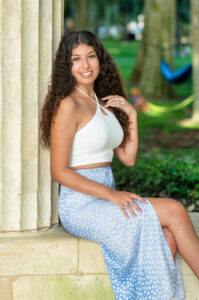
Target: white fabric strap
96, 102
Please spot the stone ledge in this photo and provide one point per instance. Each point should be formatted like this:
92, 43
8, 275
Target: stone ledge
58, 257
45, 252
71, 287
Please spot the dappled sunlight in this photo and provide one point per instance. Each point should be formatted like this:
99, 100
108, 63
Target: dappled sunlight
188, 123
172, 111
153, 113
171, 108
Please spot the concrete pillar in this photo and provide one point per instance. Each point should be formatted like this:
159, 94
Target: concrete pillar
30, 32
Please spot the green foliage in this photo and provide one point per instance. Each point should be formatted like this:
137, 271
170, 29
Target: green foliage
162, 175
167, 167
125, 53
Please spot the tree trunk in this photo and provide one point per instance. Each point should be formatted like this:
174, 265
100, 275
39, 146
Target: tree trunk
159, 32
111, 15
93, 16
81, 15
138, 68
195, 39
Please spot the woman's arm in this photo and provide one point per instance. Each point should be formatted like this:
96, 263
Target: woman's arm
127, 154
63, 129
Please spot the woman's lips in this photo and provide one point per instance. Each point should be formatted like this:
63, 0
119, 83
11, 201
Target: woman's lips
86, 74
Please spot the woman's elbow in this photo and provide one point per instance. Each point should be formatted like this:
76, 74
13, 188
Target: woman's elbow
55, 175
129, 163
58, 173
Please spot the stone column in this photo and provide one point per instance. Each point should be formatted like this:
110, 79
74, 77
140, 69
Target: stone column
30, 32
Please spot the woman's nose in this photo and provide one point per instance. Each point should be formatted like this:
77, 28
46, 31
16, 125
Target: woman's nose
85, 63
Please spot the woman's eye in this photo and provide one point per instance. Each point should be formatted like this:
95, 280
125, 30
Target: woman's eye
76, 58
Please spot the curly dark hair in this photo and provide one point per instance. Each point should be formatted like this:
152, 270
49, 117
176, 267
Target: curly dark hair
62, 82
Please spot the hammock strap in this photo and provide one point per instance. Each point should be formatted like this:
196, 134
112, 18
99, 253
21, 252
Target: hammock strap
175, 107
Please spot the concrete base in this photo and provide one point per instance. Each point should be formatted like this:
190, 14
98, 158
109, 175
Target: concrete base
53, 265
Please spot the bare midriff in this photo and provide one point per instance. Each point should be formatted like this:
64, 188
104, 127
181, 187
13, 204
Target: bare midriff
96, 165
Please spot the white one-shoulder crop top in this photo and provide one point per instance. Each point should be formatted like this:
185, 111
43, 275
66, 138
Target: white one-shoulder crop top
94, 142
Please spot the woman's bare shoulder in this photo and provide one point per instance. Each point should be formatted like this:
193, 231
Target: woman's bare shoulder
65, 118
68, 104
68, 108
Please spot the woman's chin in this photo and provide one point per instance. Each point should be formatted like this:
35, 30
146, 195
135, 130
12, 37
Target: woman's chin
86, 81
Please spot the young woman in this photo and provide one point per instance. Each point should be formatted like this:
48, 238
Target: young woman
85, 120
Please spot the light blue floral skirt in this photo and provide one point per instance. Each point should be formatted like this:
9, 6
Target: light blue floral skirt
137, 256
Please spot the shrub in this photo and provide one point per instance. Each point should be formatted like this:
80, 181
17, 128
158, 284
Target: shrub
160, 176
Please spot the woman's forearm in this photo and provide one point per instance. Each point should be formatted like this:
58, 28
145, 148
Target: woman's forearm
127, 154
131, 145
79, 183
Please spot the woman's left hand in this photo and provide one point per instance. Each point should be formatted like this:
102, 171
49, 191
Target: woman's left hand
121, 103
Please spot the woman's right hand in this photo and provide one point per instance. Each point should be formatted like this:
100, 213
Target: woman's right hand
124, 199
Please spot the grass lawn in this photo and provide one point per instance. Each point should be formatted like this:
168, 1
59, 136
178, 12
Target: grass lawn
124, 54
160, 132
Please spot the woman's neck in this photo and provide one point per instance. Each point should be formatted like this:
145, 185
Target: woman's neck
86, 89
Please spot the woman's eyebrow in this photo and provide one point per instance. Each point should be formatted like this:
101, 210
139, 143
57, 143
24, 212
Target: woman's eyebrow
88, 53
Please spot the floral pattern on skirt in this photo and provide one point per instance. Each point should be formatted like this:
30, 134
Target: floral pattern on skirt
137, 256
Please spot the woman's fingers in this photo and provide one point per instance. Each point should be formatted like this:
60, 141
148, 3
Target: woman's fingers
135, 196
131, 210
135, 205
126, 201
114, 100
114, 103
119, 102
111, 97
122, 207
128, 206
124, 211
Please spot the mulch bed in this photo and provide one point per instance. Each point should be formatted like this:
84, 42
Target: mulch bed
185, 139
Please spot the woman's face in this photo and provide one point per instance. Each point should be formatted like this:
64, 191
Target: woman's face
85, 64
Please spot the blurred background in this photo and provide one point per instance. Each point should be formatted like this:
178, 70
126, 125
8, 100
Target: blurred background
154, 44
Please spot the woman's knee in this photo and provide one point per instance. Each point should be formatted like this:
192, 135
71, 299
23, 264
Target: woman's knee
177, 211
169, 211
